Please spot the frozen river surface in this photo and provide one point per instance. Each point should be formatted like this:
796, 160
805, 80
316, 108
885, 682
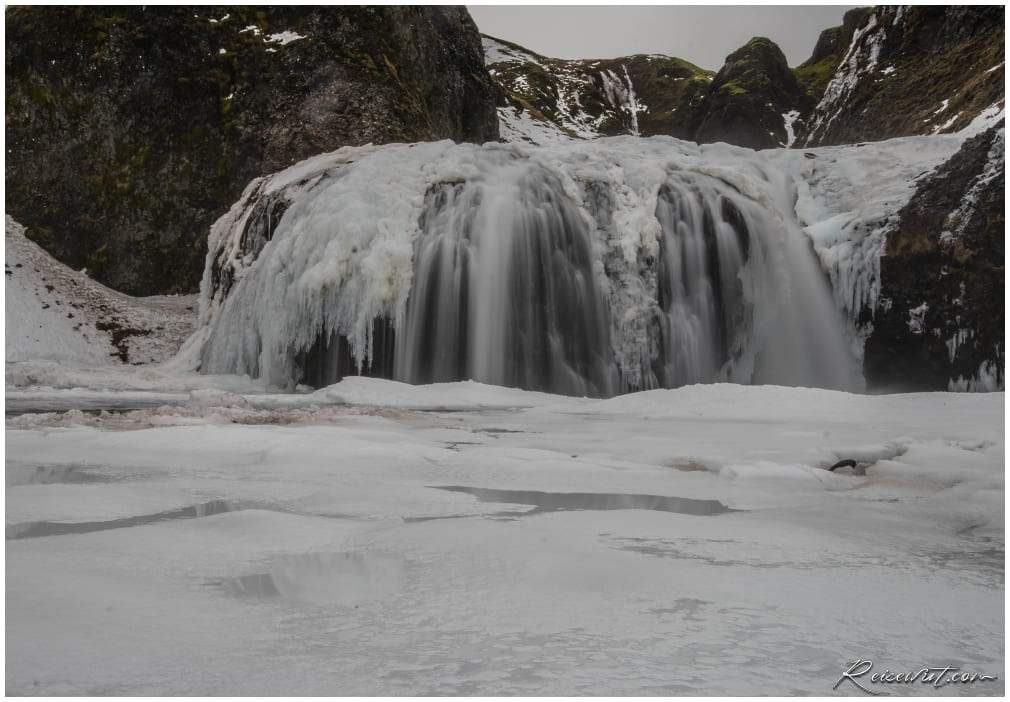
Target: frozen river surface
380, 539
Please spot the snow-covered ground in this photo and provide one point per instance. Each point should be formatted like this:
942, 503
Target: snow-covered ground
378, 538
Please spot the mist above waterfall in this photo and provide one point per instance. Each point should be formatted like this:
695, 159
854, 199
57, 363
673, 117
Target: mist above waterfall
586, 269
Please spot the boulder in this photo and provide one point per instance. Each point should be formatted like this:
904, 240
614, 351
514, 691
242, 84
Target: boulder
130, 130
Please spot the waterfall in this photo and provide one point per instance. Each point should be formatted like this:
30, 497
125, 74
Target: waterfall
592, 269
621, 95
504, 290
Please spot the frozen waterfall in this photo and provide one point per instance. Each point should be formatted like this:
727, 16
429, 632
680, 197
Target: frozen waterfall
586, 269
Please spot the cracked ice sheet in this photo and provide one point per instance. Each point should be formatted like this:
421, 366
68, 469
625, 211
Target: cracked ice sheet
335, 574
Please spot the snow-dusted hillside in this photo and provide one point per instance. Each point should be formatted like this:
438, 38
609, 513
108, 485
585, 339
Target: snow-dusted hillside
54, 313
554, 100
886, 72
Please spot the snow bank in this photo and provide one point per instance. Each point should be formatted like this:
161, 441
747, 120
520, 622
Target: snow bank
445, 396
58, 314
39, 320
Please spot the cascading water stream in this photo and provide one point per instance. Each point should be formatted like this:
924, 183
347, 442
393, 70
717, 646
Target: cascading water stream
505, 292
592, 270
703, 308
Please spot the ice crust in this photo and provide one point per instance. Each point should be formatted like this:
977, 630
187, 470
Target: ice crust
332, 545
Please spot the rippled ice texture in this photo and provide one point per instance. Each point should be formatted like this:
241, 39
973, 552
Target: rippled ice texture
302, 545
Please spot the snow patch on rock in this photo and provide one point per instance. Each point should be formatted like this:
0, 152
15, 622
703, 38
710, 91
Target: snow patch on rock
955, 223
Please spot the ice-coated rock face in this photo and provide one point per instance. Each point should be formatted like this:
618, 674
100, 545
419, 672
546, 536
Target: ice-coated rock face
943, 269
131, 129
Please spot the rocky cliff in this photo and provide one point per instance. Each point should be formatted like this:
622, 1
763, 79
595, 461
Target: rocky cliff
130, 130
913, 70
939, 323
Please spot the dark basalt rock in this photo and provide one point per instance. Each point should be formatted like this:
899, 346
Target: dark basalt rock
958, 277
129, 130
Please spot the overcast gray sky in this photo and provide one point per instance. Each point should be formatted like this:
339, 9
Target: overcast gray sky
703, 35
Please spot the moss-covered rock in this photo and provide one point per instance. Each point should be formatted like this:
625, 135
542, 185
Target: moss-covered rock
747, 99
672, 90
814, 74
913, 70
129, 130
